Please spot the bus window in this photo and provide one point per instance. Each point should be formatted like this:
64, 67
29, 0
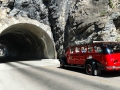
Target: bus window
71, 50
90, 48
83, 49
107, 50
97, 49
77, 49
116, 48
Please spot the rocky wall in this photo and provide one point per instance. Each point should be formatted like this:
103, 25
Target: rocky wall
83, 21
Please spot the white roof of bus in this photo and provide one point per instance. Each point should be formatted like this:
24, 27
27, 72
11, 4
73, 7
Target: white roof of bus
104, 41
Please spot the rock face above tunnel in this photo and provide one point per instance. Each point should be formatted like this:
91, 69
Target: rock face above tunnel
71, 21
9, 21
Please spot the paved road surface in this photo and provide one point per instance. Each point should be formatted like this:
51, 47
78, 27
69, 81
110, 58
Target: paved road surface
46, 75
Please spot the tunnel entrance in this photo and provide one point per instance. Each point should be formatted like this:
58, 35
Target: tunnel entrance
26, 41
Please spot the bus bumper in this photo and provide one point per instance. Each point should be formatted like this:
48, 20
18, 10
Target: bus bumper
112, 68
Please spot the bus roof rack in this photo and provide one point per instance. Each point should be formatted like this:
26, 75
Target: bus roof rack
104, 41
97, 42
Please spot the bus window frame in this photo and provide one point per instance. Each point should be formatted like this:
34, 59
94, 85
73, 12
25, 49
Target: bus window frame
72, 50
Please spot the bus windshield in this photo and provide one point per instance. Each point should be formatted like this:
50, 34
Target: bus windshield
107, 50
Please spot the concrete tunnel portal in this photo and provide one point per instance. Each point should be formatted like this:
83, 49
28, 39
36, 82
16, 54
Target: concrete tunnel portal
26, 41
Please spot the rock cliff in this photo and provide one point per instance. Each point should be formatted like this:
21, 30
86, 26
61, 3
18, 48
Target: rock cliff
69, 21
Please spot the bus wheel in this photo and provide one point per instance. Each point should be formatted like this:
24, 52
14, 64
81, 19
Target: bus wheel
89, 69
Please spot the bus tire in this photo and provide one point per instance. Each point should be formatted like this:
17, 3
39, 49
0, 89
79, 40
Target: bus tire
88, 69
91, 69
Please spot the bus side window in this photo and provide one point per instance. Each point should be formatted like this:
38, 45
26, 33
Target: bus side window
77, 49
83, 49
71, 50
90, 48
97, 49
116, 48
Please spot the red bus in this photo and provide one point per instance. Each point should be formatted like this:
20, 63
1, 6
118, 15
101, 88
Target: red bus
93, 57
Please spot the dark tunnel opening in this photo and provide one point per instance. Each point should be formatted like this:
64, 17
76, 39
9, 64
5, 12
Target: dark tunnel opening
26, 41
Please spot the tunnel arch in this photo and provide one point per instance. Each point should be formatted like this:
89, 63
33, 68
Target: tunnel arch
24, 40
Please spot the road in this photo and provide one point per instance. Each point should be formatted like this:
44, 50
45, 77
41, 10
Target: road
46, 75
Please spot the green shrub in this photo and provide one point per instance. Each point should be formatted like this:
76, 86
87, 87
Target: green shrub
111, 4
